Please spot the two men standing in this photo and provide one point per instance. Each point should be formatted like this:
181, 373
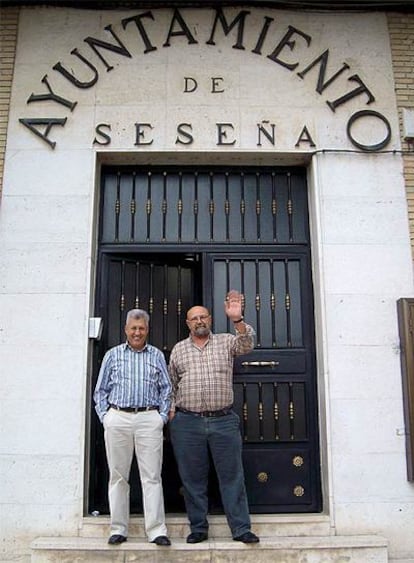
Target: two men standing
201, 420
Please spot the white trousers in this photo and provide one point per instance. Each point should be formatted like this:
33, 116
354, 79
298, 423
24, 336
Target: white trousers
124, 433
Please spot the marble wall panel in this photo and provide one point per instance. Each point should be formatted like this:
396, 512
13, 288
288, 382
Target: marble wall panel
47, 173
361, 320
364, 371
42, 478
364, 269
43, 268
364, 427
40, 219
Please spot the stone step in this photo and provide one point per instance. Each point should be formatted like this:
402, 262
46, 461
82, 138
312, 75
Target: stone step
262, 524
352, 549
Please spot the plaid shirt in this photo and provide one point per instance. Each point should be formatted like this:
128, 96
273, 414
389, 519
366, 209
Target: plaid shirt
202, 378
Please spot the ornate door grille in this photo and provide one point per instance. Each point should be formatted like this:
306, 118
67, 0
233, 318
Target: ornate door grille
204, 206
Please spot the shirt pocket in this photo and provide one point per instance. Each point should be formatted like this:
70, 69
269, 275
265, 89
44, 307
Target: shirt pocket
120, 372
151, 375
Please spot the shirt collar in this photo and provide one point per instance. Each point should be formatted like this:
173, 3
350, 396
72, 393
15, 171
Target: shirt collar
190, 338
128, 347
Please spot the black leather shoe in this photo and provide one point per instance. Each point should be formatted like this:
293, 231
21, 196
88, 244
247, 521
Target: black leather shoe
116, 538
197, 537
247, 537
161, 540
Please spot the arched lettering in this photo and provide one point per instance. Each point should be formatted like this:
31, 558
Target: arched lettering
78, 83
369, 113
183, 31
144, 35
274, 56
239, 20
323, 61
120, 48
51, 97
47, 122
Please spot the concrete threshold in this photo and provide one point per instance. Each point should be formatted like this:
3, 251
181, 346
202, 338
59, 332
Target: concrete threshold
338, 549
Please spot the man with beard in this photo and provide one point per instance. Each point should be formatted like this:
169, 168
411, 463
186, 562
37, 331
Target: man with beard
202, 418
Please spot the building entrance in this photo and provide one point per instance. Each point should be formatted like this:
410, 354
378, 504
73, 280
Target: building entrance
171, 238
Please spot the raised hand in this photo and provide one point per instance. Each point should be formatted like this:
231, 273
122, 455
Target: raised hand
233, 305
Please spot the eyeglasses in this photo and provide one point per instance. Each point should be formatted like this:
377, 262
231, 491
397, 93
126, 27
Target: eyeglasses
198, 318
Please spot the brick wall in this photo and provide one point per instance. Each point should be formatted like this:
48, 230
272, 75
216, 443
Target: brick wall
9, 18
401, 28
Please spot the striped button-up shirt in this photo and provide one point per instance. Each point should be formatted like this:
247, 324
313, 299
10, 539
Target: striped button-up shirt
202, 378
133, 378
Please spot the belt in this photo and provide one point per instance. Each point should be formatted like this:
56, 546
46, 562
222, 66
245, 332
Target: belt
134, 409
212, 414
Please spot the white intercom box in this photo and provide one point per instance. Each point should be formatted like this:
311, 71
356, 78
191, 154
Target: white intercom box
95, 327
408, 123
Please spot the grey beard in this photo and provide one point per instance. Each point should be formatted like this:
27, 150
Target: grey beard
202, 331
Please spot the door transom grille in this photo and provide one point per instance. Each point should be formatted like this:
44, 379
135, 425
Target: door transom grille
209, 206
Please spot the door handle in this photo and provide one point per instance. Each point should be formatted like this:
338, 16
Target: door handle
270, 364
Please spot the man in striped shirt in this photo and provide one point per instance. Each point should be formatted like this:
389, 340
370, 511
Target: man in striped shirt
132, 397
202, 418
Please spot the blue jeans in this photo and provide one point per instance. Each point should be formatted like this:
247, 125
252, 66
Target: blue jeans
192, 436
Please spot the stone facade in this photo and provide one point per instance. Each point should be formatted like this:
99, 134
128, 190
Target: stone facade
135, 113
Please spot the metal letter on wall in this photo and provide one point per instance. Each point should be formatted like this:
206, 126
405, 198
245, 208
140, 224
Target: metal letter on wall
406, 328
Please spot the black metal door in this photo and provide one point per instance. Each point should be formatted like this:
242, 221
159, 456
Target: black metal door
172, 238
274, 386
166, 286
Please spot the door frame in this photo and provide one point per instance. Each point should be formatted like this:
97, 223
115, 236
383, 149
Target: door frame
206, 249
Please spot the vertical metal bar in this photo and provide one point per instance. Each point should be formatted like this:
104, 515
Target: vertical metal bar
149, 205
195, 207
274, 207
260, 411
242, 210
180, 205
137, 284
165, 310
291, 412
122, 300
227, 208
290, 207
151, 295
117, 205
227, 262
272, 302
245, 413
276, 411
179, 302
287, 305
242, 285
133, 206
258, 304
211, 207
164, 206
258, 207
